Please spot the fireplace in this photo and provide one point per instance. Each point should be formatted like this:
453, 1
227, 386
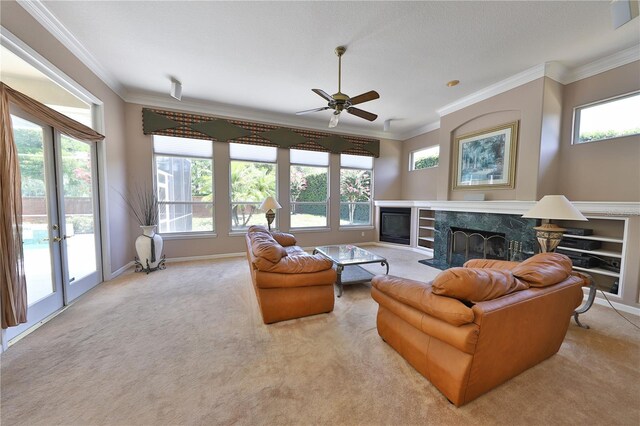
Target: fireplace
465, 244
514, 237
395, 225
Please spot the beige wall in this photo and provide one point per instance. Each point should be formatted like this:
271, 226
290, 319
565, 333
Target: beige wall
549, 158
387, 171
523, 103
139, 146
606, 170
15, 19
419, 184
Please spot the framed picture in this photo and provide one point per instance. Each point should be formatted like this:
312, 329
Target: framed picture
486, 159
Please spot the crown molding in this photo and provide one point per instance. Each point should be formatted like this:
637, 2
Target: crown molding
48, 20
420, 130
512, 82
601, 65
241, 113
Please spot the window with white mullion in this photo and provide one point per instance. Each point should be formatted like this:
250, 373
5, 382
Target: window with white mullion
253, 176
309, 189
184, 184
356, 190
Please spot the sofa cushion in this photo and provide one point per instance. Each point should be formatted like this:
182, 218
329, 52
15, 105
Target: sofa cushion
301, 264
263, 245
419, 296
490, 263
294, 251
284, 239
476, 284
543, 269
258, 229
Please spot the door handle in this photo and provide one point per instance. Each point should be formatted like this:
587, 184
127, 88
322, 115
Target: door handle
55, 239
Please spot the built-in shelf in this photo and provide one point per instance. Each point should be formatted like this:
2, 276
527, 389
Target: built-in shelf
597, 252
594, 238
610, 235
426, 229
599, 271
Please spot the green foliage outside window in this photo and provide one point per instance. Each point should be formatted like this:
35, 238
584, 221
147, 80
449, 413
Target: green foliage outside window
426, 162
609, 134
250, 182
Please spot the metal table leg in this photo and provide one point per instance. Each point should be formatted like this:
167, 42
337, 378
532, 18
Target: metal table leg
339, 269
589, 302
385, 264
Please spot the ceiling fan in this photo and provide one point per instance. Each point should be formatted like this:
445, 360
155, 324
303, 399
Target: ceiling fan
340, 102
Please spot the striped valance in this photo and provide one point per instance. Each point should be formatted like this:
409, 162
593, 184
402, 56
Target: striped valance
186, 125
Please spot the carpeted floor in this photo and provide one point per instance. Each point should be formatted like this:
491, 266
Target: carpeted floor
187, 346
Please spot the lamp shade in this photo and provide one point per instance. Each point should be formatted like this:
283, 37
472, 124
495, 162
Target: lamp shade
554, 207
270, 203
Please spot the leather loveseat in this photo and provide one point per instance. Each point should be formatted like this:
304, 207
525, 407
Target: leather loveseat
289, 283
475, 327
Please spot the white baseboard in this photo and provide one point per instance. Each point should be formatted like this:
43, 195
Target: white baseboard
205, 257
121, 271
619, 306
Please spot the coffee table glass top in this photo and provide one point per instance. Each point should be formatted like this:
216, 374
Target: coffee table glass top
347, 254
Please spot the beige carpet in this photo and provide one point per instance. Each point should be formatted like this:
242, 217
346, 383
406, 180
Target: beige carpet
187, 346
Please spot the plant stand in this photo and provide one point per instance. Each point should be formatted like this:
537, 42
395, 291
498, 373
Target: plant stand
141, 268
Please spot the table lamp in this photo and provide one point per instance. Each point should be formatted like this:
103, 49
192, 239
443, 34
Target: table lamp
269, 205
548, 208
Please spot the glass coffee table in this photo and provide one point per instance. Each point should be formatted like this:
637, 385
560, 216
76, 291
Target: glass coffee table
347, 257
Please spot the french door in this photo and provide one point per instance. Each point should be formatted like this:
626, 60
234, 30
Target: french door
60, 222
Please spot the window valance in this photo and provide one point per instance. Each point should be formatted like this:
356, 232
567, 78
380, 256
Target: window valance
187, 125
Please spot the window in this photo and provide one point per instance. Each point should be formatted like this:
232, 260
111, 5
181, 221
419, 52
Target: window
184, 184
356, 191
612, 118
424, 158
309, 189
253, 178
22, 76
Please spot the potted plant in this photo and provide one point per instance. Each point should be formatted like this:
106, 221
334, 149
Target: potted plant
144, 206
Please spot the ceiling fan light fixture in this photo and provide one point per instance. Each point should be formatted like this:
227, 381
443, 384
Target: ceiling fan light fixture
335, 117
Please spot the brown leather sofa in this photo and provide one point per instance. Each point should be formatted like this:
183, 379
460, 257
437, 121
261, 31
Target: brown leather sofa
289, 283
473, 328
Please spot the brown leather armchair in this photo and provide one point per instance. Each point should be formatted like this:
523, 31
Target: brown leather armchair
289, 283
474, 328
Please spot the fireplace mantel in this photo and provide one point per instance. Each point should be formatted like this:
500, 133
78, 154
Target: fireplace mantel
604, 208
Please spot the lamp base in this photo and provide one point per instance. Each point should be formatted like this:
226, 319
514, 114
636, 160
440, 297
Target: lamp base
271, 215
548, 236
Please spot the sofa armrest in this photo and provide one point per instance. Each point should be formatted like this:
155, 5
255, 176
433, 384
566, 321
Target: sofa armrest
284, 239
490, 263
418, 295
301, 264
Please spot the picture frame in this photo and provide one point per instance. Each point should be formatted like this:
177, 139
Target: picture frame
486, 159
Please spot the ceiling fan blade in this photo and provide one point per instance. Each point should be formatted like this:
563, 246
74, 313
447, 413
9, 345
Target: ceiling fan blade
362, 114
365, 97
312, 110
323, 94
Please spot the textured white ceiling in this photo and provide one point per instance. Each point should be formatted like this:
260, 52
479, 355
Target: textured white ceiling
265, 57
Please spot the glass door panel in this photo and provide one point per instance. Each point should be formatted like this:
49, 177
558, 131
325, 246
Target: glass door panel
39, 222
78, 207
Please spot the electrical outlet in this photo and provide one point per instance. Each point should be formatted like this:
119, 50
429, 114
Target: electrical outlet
362, 234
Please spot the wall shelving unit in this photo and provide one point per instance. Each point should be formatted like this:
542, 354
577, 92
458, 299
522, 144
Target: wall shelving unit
426, 228
610, 233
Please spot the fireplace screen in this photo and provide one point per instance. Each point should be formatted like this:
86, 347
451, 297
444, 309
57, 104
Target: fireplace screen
466, 244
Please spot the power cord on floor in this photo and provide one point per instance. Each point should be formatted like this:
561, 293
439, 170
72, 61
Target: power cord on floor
617, 312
